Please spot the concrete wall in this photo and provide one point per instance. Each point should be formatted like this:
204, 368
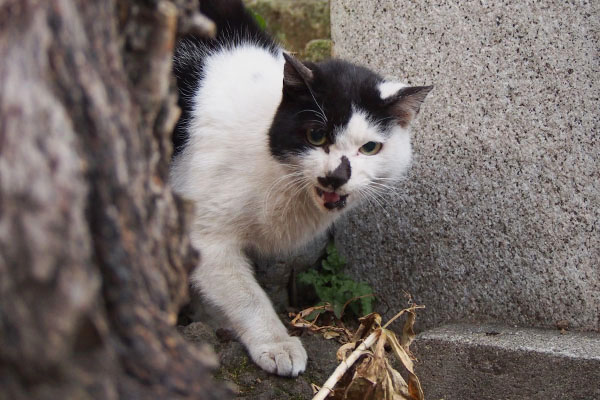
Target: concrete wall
499, 219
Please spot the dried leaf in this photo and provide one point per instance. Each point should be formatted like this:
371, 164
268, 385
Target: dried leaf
328, 331
368, 324
330, 334
414, 386
359, 389
365, 372
399, 384
345, 350
398, 350
314, 388
408, 333
306, 312
363, 382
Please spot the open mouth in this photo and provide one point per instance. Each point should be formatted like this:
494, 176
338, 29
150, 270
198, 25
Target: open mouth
332, 200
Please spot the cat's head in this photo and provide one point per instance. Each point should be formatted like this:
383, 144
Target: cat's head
343, 130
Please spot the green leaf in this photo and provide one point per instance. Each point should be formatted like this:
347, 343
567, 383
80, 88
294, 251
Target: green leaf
355, 307
366, 304
346, 286
308, 277
260, 21
337, 309
330, 249
327, 266
336, 288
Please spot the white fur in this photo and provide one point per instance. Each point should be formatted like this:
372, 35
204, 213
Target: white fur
388, 89
246, 200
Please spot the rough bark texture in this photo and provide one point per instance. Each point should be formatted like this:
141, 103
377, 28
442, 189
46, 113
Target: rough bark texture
94, 254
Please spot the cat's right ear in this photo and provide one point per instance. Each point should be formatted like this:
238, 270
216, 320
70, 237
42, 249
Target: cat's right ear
404, 105
295, 74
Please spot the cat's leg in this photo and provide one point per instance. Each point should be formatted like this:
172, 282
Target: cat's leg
225, 279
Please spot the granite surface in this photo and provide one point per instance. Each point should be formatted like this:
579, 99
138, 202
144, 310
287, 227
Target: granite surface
492, 362
499, 218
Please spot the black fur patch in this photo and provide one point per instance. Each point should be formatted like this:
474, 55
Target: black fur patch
336, 87
338, 176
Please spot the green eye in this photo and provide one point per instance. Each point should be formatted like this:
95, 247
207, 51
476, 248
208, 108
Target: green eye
316, 137
370, 148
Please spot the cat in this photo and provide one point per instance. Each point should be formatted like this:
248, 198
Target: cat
272, 151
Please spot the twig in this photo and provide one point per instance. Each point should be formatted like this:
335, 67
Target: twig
345, 365
412, 308
354, 299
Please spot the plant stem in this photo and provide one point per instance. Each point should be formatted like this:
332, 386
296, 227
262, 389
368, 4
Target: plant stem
410, 309
341, 369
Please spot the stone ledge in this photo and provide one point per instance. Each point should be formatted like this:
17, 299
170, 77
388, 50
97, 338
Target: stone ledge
499, 362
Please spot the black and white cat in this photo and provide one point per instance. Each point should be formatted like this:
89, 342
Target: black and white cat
272, 151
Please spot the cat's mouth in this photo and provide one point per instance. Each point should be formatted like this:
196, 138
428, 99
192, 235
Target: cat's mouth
331, 200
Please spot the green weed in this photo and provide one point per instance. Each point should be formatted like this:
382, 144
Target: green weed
334, 287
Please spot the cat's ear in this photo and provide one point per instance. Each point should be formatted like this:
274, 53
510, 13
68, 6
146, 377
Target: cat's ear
405, 103
295, 74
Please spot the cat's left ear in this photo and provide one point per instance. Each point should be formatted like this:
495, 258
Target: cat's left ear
295, 74
404, 105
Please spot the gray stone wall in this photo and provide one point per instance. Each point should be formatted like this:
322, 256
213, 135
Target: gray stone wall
499, 217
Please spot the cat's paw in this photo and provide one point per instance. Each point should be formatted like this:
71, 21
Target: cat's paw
285, 358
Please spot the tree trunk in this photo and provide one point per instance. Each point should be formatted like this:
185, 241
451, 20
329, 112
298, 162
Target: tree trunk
94, 252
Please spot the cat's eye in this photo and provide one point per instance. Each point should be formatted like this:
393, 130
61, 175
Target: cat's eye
316, 137
370, 148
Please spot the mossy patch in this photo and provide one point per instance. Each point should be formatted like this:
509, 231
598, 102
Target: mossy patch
294, 22
318, 50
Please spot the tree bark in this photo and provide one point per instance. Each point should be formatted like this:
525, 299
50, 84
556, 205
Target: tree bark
94, 251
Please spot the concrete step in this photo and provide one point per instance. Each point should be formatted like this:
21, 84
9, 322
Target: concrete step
495, 362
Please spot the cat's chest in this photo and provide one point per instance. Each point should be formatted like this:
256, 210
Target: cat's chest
287, 230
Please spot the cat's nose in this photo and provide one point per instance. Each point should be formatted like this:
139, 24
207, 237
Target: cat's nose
338, 176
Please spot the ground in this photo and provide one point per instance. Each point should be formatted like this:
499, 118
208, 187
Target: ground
249, 382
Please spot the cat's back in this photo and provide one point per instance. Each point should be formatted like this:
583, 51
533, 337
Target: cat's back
238, 93
227, 114
231, 109
231, 81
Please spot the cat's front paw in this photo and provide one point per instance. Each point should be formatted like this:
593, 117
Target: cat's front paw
286, 357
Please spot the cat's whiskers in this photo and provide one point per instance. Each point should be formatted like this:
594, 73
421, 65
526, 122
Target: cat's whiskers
293, 184
366, 196
281, 190
322, 123
390, 179
376, 197
279, 180
384, 189
383, 185
319, 114
372, 196
380, 121
385, 200
383, 193
303, 184
387, 185
286, 181
399, 196
322, 112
